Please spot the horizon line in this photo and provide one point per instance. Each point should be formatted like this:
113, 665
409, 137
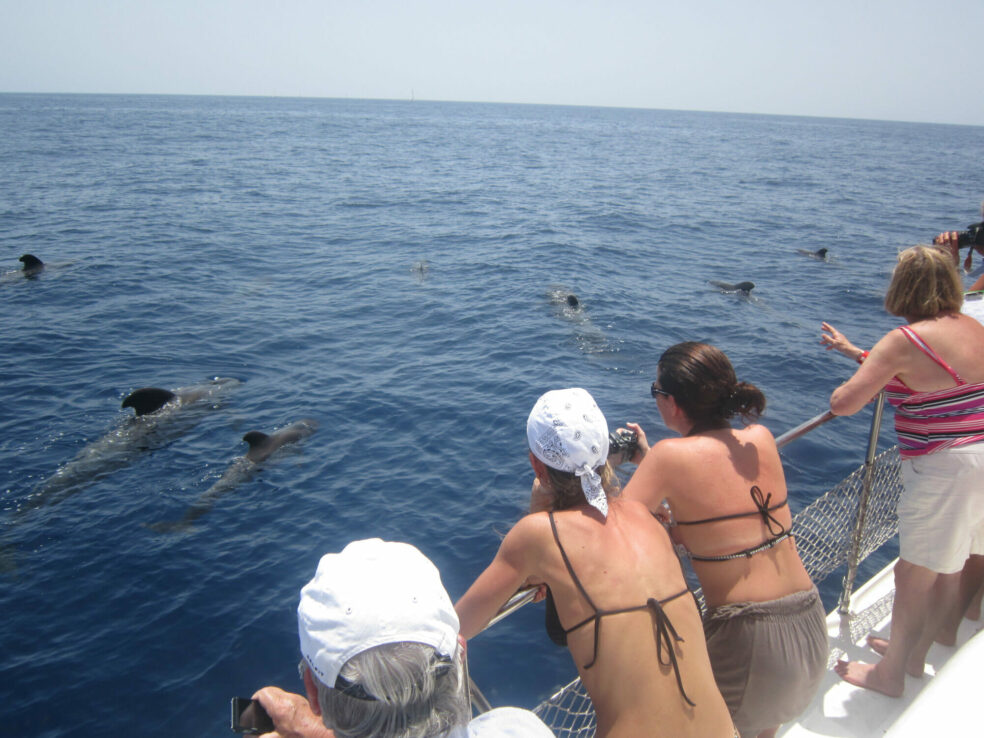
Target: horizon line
415, 101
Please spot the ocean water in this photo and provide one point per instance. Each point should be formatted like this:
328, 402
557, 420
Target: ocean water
392, 270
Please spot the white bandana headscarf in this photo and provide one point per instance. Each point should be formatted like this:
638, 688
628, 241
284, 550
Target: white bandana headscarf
568, 432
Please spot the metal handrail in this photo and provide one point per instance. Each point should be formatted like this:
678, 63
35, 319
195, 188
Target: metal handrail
522, 597
803, 428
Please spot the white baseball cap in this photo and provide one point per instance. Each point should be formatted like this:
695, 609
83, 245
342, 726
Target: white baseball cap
372, 593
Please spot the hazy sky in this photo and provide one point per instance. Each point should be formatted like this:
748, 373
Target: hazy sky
915, 60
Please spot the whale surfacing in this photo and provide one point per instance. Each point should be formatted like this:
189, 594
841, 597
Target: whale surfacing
261, 446
32, 264
148, 399
743, 287
161, 417
819, 254
241, 469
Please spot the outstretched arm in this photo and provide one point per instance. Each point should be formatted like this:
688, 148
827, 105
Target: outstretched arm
883, 363
512, 567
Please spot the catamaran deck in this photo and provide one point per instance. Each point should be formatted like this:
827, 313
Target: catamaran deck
843, 710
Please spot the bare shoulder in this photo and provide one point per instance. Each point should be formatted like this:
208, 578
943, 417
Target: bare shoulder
965, 326
670, 449
896, 336
530, 527
636, 509
759, 434
526, 538
657, 474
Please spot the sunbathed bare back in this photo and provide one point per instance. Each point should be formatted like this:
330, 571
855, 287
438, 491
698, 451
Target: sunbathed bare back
710, 475
622, 563
956, 338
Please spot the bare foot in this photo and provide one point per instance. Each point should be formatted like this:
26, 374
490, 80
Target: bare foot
880, 646
868, 676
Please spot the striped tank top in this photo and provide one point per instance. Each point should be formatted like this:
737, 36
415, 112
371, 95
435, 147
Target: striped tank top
930, 421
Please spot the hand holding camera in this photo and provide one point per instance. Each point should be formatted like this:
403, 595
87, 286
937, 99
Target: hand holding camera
622, 446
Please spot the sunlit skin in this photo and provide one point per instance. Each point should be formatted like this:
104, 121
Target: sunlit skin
622, 560
722, 464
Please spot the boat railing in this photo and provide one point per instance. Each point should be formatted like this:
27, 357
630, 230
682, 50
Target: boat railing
841, 528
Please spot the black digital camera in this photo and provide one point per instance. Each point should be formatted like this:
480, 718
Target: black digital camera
973, 236
622, 446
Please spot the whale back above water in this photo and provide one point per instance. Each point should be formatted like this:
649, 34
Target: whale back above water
32, 264
819, 254
242, 468
262, 445
154, 427
148, 399
743, 287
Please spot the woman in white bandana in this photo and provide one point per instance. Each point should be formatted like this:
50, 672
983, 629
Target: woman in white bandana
622, 606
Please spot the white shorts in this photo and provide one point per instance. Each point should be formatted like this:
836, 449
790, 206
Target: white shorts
941, 510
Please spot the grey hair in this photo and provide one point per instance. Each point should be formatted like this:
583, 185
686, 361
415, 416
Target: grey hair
417, 694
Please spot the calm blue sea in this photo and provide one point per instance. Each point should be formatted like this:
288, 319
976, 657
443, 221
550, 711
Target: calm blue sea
390, 269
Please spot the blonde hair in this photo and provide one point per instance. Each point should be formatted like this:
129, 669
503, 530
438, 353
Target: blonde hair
924, 284
566, 486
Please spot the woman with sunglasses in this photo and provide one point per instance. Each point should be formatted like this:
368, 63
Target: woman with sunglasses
620, 602
723, 492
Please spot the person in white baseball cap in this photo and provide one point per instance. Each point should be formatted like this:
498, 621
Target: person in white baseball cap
613, 578
382, 656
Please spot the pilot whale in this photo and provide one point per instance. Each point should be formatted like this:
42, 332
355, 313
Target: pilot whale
161, 417
32, 267
242, 468
32, 264
819, 254
567, 305
742, 287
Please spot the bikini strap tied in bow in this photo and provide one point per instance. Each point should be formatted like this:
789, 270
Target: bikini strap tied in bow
664, 631
762, 503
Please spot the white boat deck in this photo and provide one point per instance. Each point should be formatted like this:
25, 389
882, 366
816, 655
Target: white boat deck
943, 701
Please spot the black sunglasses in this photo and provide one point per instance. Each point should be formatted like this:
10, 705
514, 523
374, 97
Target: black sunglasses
656, 391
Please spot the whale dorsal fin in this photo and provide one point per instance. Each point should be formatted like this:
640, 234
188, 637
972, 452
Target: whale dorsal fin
31, 261
148, 399
255, 438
